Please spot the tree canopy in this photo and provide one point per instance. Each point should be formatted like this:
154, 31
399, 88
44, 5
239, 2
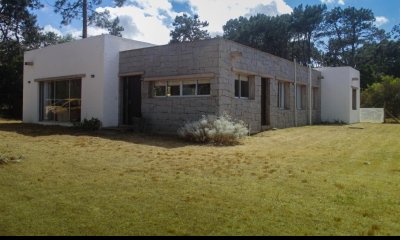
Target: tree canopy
188, 29
85, 10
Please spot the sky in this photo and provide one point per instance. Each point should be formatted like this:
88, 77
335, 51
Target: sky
151, 20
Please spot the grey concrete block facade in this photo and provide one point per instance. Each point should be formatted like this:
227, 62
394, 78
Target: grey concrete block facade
221, 59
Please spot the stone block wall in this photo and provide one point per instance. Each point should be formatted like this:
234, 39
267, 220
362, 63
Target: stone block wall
263, 65
167, 114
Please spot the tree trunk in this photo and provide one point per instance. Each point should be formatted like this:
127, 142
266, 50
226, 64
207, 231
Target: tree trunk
85, 19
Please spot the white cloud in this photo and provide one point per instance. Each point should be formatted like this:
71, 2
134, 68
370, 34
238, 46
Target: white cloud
340, 2
144, 20
381, 21
49, 28
150, 20
218, 12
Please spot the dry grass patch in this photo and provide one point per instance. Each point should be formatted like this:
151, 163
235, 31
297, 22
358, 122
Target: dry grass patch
300, 181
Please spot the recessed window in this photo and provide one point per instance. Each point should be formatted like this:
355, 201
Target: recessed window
354, 93
203, 87
315, 98
189, 88
181, 88
301, 97
60, 101
160, 89
283, 95
242, 86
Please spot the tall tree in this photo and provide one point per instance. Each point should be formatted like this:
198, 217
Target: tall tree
86, 11
266, 33
396, 32
188, 29
18, 32
348, 29
305, 26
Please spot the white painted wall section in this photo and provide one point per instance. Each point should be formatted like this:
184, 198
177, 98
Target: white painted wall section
336, 94
113, 46
74, 58
96, 57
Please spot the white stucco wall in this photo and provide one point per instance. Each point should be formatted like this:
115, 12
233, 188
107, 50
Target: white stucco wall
95, 57
114, 45
74, 58
336, 94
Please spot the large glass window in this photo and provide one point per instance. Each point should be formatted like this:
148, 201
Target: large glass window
60, 101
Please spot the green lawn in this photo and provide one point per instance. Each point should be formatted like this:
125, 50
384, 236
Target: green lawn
320, 180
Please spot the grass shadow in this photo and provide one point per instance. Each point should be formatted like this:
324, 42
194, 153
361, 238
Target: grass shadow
36, 130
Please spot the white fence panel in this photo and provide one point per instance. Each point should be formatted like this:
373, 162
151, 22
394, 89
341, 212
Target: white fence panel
372, 115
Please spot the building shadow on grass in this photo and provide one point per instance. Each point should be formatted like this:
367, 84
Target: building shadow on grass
36, 130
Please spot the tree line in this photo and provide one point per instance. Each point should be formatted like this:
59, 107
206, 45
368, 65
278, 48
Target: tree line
311, 34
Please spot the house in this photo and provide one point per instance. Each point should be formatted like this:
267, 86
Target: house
119, 81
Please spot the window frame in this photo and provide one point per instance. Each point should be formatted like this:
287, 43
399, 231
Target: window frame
238, 79
53, 99
315, 91
354, 99
181, 84
301, 93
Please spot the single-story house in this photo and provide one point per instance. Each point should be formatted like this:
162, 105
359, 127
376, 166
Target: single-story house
120, 81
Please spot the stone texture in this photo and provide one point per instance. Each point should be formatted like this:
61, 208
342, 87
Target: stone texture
167, 114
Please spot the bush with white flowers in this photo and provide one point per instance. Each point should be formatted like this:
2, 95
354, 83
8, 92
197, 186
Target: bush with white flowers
222, 130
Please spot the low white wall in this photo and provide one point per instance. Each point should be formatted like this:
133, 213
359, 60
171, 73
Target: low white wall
372, 115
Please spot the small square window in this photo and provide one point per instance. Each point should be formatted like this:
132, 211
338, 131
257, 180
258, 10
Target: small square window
189, 88
160, 89
203, 87
174, 88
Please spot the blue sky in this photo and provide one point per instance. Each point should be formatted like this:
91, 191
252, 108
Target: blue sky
150, 20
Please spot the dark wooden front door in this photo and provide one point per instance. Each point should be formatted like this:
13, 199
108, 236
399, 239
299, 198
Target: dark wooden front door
265, 102
131, 99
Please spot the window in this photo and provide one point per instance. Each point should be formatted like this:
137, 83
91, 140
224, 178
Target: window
182, 88
315, 98
283, 95
242, 86
354, 99
174, 88
301, 97
60, 101
189, 88
203, 87
160, 89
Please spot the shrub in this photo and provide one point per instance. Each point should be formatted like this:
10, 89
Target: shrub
90, 125
219, 130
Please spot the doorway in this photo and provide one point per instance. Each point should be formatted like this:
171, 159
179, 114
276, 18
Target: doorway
265, 102
131, 99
